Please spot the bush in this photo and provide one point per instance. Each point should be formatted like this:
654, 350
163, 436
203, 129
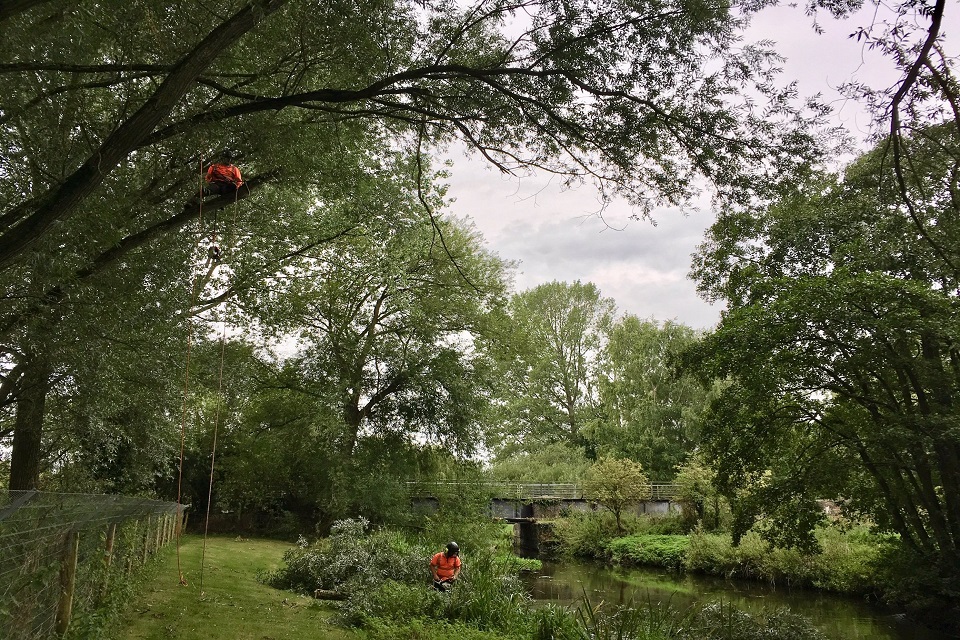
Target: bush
930, 592
349, 560
386, 581
391, 602
847, 563
661, 551
585, 535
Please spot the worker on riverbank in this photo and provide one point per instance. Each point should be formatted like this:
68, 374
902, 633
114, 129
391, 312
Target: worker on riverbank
446, 567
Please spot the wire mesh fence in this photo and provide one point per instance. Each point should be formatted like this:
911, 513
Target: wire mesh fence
61, 553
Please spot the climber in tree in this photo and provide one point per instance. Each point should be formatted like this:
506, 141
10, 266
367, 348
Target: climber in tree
222, 177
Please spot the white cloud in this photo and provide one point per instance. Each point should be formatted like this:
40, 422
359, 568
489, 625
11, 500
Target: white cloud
557, 235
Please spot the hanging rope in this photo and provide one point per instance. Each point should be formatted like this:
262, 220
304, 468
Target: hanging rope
195, 292
216, 420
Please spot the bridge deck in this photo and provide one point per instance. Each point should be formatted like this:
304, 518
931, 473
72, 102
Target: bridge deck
525, 491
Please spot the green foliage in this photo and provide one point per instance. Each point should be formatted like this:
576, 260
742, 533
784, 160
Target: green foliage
650, 412
351, 560
644, 621
488, 596
700, 501
549, 342
462, 516
848, 562
713, 621
839, 348
585, 534
391, 602
920, 585
516, 564
552, 622
555, 462
102, 257
616, 484
426, 629
661, 551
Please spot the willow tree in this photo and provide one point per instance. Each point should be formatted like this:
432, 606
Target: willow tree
110, 107
649, 411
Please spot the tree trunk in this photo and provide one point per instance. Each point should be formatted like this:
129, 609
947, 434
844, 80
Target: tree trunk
28, 428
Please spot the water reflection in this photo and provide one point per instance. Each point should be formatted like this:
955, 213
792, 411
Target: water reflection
838, 617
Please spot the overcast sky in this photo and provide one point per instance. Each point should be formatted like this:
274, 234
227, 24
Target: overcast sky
555, 234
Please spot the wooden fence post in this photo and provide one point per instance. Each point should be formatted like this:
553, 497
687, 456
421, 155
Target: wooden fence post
158, 536
108, 556
146, 541
108, 550
68, 577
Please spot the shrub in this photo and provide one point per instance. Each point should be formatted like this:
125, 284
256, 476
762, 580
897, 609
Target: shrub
585, 534
349, 560
391, 602
661, 551
847, 563
386, 581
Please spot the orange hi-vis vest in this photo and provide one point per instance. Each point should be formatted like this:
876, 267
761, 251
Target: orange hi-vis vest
446, 567
224, 173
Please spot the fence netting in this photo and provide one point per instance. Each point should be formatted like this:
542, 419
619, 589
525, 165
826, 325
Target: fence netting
60, 554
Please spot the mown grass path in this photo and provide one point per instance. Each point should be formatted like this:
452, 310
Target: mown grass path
233, 605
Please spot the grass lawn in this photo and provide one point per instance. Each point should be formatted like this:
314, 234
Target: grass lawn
232, 606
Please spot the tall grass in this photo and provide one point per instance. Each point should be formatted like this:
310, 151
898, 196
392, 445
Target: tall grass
847, 564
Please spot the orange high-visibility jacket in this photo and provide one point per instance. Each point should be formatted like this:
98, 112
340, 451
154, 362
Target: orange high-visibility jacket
224, 173
446, 567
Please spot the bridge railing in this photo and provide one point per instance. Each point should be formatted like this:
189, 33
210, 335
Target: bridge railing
526, 491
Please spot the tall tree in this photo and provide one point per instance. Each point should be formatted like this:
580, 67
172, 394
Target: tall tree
841, 344
386, 318
550, 345
578, 91
650, 411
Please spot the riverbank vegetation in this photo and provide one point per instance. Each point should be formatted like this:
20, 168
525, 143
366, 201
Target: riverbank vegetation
379, 580
236, 601
847, 558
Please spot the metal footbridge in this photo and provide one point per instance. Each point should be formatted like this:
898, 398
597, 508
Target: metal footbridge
659, 492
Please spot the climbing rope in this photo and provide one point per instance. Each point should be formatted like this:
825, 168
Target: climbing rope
214, 255
195, 292
216, 420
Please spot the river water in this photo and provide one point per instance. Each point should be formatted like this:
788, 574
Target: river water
838, 617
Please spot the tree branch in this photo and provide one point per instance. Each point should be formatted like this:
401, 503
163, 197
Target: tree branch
37, 216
